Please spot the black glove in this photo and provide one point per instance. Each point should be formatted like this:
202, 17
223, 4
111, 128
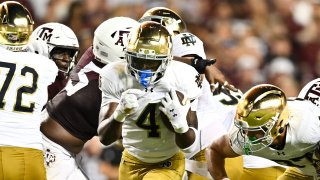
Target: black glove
200, 64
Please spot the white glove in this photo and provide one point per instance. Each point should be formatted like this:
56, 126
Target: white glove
128, 104
38, 47
176, 112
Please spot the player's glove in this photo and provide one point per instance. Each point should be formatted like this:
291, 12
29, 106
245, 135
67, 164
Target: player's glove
176, 112
200, 64
38, 47
128, 104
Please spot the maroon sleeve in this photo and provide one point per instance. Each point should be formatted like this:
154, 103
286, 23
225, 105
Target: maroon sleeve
85, 59
59, 83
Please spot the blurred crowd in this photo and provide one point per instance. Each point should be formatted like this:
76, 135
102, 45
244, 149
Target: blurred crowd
274, 41
254, 41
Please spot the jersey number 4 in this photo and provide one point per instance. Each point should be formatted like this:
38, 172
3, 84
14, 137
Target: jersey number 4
21, 90
147, 120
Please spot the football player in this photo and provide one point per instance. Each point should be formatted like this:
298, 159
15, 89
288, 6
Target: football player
175, 25
24, 80
73, 114
270, 126
140, 103
59, 43
213, 110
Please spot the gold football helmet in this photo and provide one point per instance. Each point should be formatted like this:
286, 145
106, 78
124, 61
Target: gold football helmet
261, 116
148, 52
16, 25
167, 17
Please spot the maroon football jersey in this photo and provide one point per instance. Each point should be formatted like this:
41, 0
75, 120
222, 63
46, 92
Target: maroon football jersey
59, 83
77, 106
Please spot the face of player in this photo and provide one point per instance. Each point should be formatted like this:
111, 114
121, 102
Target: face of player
254, 135
63, 58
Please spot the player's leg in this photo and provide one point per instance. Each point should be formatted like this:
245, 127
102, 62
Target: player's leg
234, 167
270, 173
170, 169
292, 173
60, 163
200, 157
21, 163
133, 168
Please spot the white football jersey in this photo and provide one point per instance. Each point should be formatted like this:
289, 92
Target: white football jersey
301, 138
215, 114
144, 133
24, 78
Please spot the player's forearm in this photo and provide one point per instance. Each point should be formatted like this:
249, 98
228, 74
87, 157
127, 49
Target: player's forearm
109, 131
188, 142
186, 60
184, 140
215, 164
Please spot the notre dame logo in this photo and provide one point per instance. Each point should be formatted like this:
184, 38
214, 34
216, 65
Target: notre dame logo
45, 34
188, 39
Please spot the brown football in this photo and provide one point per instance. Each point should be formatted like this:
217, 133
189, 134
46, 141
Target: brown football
165, 118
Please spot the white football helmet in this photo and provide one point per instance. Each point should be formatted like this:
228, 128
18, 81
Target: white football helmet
58, 37
110, 39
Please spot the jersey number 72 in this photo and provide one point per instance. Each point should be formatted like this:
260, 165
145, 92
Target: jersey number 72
21, 90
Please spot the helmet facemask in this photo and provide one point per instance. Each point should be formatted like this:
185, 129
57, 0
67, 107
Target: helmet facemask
258, 138
147, 69
64, 58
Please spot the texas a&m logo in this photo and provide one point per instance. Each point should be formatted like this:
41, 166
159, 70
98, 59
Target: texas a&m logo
45, 34
122, 33
313, 93
188, 39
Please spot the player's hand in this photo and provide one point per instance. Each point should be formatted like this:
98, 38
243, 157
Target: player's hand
200, 64
214, 75
128, 104
175, 111
38, 47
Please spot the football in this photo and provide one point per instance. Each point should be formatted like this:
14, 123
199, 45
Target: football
165, 118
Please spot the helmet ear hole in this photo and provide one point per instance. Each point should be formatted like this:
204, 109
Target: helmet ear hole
281, 130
